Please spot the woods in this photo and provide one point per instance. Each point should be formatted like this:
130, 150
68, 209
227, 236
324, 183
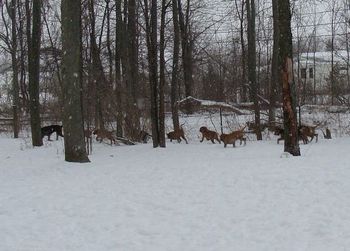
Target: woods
134, 60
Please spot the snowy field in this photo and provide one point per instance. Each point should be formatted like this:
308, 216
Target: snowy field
196, 197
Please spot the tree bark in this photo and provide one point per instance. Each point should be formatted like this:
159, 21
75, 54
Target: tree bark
175, 67
151, 36
291, 144
15, 84
252, 65
275, 65
162, 76
243, 89
133, 113
153, 74
74, 144
187, 44
99, 77
34, 74
118, 75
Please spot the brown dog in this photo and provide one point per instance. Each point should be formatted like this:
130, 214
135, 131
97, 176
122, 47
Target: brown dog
232, 137
104, 134
177, 134
308, 131
209, 135
301, 136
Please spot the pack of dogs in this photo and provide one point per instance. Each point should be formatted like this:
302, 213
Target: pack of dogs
306, 134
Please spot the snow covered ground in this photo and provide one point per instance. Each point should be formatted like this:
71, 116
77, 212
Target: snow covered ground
185, 197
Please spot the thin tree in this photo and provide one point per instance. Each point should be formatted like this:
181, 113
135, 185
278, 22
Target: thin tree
275, 65
175, 67
133, 117
291, 144
187, 44
74, 144
118, 65
252, 65
243, 88
34, 41
162, 75
14, 60
150, 11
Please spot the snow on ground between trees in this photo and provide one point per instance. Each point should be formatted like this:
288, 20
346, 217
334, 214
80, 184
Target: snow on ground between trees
185, 197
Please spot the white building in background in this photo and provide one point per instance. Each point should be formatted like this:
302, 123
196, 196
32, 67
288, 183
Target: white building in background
315, 69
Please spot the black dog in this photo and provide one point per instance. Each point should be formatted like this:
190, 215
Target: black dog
48, 130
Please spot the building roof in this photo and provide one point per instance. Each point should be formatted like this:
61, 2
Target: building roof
324, 57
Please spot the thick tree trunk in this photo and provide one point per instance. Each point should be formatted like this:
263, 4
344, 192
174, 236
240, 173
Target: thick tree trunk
34, 74
74, 144
291, 144
175, 67
252, 65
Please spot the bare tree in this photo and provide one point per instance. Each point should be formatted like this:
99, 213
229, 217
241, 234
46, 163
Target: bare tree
74, 144
252, 64
175, 66
150, 13
162, 75
118, 65
187, 44
291, 143
275, 65
34, 41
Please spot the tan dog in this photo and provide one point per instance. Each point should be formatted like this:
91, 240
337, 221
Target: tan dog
232, 137
177, 134
209, 135
104, 134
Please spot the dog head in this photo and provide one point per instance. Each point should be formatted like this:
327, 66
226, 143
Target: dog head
203, 129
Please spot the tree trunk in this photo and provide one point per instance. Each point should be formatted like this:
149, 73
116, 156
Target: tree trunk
162, 77
187, 44
99, 77
74, 144
252, 65
243, 91
118, 75
153, 74
151, 36
34, 74
175, 67
275, 65
15, 84
133, 113
291, 144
